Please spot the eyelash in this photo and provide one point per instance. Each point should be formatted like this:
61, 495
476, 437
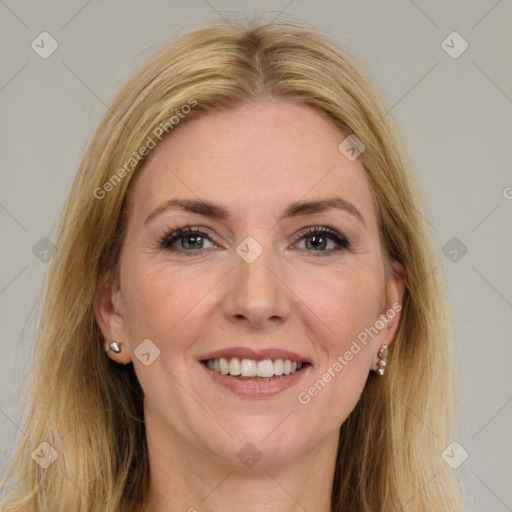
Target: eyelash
172, 235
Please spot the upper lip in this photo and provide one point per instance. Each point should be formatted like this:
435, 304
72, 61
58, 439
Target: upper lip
257, 355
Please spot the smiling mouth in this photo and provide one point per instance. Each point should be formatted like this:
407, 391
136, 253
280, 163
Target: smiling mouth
255, 370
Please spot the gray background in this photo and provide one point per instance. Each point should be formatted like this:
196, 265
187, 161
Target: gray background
455, 114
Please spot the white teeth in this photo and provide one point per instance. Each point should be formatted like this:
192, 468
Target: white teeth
248, 368
278, 367
224, 366
234, 366
265, 368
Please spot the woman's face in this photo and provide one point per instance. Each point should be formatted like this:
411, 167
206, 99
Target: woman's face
252, 285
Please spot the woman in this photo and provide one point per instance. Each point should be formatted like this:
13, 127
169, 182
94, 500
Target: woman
245, 310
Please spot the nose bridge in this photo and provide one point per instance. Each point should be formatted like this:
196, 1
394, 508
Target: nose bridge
256, 288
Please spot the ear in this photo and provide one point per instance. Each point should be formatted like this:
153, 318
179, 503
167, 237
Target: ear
389, 317
109, 313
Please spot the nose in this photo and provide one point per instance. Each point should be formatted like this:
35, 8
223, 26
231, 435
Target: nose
256, 292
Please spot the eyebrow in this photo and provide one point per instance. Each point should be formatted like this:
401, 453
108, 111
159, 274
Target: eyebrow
296, 209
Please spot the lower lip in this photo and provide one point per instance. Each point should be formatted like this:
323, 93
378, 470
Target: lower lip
257, 388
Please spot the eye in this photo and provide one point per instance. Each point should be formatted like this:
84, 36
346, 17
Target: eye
320, 236
191, 240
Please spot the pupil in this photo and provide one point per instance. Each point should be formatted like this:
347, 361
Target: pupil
315, 241
195, 239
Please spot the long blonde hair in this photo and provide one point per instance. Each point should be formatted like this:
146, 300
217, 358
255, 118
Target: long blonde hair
89, 409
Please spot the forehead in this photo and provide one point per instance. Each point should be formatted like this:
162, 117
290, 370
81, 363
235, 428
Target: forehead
260, 156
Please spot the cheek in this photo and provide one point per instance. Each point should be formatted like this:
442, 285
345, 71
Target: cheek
341, 320
359, 303
160, 304
346, 308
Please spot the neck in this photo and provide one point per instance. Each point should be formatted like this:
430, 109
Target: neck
185, 477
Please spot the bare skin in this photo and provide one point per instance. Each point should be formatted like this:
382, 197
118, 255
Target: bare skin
314, 300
